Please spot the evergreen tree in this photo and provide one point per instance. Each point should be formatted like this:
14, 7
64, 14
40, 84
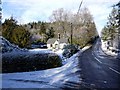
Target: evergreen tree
8, 26
112, 25
50, 33
14, 33
118, 16
42, 28
21, 37
105, 33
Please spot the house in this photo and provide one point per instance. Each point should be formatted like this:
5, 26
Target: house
55, 43
52, 43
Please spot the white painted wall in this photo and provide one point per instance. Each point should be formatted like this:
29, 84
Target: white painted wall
49, 46
56, 45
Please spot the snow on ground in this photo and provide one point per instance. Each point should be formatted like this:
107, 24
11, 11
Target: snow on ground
64, 59
59, 53
50, 78
40, 50
85, 48
107, 51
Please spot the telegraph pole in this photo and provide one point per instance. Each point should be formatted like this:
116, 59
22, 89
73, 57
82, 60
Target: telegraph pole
0, 18
0, 12
71, 32
72, 24
79, 7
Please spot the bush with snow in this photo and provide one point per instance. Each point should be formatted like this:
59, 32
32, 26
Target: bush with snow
29, 62
69, 50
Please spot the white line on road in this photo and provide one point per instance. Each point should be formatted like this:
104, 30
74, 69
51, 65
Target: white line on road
98, 60
114, 70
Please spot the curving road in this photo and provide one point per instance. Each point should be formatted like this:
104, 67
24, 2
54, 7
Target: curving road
99, 70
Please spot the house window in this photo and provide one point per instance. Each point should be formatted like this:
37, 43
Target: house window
50, 45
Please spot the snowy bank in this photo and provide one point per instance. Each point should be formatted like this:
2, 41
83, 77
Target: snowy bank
51, 78
85, 48
66, 76
107, 50
40, 50
60, 54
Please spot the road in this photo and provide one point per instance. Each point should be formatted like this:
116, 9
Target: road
99, 70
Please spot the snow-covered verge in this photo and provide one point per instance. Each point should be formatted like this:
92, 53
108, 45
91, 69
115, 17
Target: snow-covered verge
66, 76
51, 78
60, 54
85, 48
106, 50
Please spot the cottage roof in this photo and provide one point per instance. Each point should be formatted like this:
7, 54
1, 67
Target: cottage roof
51, 41
63, 40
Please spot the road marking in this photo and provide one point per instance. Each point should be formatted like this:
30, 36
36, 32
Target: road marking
114, 70
98, 60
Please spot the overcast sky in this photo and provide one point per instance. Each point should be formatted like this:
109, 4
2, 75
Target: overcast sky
25, 11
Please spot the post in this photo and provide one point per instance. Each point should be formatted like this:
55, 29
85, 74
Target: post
71, 33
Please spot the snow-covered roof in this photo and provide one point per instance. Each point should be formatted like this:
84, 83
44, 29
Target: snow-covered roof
62, 40
51, 41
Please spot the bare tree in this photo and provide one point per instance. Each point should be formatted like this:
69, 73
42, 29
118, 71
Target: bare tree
83, 25
61, 19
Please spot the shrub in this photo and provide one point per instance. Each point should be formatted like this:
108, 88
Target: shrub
69, 50
29, 62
